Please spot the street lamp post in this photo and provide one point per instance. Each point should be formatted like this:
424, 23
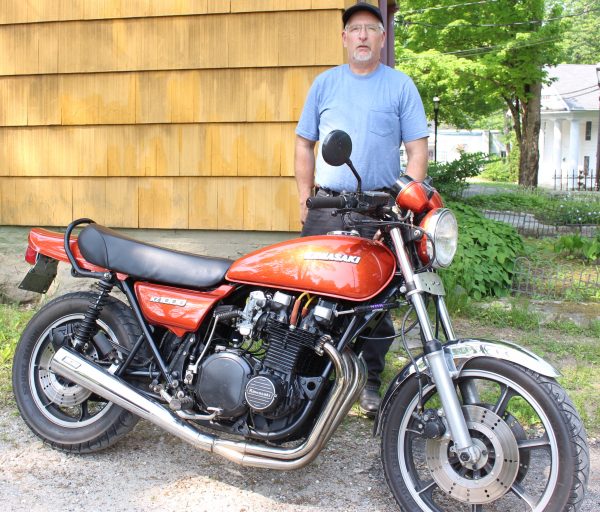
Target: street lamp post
436, 109
598, 130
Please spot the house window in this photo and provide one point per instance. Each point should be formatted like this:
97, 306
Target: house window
588, 130
586, 165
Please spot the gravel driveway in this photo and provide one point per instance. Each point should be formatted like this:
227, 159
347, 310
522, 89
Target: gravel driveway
151, 470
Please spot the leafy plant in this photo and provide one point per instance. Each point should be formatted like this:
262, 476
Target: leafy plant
484, 263
450, 178
577, 246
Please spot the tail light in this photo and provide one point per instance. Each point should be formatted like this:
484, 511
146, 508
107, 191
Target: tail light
30, 255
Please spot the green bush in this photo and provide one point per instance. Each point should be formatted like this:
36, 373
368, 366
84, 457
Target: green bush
499, 170
450, 178
484, 263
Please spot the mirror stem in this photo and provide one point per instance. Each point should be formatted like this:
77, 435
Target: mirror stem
356, 175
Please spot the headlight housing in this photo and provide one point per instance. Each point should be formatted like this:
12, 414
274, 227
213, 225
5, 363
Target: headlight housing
440, 241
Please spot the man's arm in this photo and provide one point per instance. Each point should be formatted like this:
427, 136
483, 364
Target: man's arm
417, 157
304, 168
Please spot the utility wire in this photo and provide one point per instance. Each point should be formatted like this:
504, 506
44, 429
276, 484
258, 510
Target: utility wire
424, 9
485, 49
488, 25
576, 95
590, 87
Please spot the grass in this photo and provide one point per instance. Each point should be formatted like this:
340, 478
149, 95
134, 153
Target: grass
552, 273
549, 208
572, 348
12, 322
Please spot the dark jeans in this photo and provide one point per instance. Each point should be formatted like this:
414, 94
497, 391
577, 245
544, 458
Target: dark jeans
319, 222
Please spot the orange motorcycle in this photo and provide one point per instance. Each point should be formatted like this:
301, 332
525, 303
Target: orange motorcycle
267, 350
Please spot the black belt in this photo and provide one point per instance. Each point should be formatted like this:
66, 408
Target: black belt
334, 193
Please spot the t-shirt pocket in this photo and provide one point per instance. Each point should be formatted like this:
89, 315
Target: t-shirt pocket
381, 122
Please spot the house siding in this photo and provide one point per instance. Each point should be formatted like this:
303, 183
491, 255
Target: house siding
156, 114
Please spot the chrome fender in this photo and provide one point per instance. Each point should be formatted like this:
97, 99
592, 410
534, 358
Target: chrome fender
460, 352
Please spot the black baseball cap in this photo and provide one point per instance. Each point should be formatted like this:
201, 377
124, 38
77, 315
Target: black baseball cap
361, 6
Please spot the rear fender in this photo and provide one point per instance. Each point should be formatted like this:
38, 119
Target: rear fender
51, 244
461, 352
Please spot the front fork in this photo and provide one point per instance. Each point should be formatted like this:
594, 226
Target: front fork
441, 369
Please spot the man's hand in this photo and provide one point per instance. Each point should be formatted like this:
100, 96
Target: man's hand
304, 168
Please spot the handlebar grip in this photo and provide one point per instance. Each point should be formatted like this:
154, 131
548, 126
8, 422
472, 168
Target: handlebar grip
325, 202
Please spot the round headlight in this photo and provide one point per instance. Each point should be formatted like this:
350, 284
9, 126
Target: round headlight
438, 245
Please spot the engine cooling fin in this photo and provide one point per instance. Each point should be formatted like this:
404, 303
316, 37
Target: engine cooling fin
286, 346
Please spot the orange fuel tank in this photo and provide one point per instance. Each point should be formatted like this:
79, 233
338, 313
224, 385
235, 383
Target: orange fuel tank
344, 267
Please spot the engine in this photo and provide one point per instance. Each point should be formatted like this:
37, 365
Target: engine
264, 362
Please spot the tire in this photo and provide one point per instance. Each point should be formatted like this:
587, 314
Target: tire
535, 444
65, 415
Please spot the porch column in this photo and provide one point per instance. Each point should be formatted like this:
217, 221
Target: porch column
557, 146
574, 148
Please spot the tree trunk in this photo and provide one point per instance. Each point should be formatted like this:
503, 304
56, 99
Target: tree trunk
529, 143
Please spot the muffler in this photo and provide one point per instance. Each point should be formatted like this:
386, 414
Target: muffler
350, 379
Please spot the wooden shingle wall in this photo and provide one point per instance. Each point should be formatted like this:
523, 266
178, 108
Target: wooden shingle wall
153, 113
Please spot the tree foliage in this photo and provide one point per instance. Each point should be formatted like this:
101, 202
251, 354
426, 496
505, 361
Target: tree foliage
581, 44
479, 56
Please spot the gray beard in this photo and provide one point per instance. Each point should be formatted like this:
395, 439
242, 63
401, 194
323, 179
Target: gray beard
360, 56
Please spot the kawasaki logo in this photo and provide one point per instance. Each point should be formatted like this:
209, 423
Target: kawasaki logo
332, 256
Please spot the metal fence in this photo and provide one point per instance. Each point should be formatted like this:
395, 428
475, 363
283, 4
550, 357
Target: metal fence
582, 180
526, 224
554, 281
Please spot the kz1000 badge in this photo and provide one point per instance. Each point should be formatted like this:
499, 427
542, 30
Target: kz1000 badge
332, 256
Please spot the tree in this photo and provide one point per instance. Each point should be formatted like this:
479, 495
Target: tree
481, 55
581, 44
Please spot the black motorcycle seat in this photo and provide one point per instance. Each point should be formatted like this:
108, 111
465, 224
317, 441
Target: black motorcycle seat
114, 251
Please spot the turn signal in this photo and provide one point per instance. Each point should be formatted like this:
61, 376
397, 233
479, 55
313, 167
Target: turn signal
412, 195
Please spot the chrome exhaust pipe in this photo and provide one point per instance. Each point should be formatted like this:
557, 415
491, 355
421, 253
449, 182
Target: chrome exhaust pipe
350, 379
72, 366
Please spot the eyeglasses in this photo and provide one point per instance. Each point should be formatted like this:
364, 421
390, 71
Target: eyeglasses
371, 29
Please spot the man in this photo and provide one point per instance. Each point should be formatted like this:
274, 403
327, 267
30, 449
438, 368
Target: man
380, 109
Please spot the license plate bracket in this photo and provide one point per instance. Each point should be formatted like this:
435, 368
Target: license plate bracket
41, 275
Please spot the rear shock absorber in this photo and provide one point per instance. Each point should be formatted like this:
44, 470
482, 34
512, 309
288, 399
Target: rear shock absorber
87, 327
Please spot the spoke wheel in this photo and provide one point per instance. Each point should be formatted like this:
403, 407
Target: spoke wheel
532, 442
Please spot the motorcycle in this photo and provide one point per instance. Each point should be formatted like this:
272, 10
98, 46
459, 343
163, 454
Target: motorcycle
259, 359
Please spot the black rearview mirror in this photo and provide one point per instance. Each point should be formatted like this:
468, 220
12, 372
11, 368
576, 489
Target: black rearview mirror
337, 148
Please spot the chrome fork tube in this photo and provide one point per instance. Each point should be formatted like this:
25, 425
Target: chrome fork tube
435, 357
445, 318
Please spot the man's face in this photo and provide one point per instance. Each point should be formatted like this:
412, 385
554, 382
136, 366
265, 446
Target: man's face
363, 38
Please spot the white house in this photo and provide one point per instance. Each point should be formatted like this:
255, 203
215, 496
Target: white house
452, 142
569, 130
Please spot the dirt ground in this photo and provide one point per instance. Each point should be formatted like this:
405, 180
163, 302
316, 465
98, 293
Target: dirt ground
151, 470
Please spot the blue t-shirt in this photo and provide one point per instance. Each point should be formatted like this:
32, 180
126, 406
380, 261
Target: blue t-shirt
379, 111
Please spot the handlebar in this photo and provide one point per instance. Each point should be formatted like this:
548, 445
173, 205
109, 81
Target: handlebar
326, 202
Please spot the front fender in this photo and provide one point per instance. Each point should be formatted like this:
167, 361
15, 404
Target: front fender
461, 352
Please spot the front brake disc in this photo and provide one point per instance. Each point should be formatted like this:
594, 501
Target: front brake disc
492, 475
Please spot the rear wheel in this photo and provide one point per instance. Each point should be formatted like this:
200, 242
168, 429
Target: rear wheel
535, 450
64, 414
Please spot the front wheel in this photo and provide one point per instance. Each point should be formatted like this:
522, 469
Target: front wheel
535, 450
64, 414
